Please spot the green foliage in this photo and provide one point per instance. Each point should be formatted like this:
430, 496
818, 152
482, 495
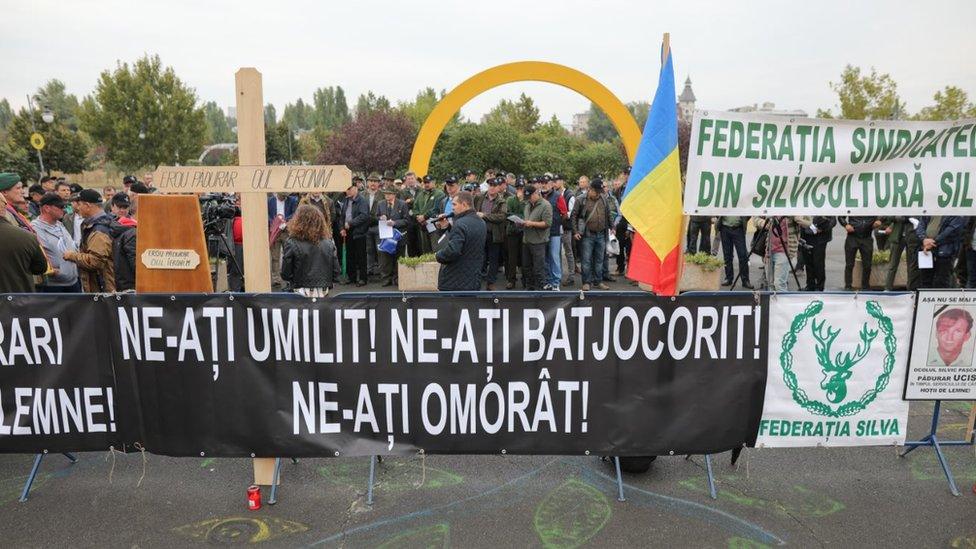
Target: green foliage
599, 128
707, 262
951, 103
414, 261
478, 147
6, 114
522, 115
550, 148
865, 97
64, 150
16, 159
331, 110
218, 128
369, 103
606, 159
420, 108
64, 105
270, 115
298, 116
280, 144
144, 97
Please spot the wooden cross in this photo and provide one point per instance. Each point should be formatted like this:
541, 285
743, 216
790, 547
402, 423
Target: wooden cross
254, 180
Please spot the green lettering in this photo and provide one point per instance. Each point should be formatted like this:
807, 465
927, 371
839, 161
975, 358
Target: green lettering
736, 138
786, 144
769, 142
717, 149
706, 189
945, 184
858, 138
827, 151
752, 140
703, 134
761, 191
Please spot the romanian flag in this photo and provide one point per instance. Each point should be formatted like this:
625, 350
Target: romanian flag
652, 199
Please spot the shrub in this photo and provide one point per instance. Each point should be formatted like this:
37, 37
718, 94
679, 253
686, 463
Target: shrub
707, 262
414, 261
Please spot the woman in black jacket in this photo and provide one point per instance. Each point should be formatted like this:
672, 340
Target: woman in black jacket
309, 264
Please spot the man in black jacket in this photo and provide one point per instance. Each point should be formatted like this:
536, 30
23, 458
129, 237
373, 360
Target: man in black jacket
902, 238
462, 256
354, 216
813, 250
395, 213
859, 241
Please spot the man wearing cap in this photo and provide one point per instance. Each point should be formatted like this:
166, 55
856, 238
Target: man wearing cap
462, 255
591, 220
513, 235
354, 217
108, 192
21, 253
425, 208
94, 256
559, 186
14, 203
492, 208
55, 240
373, 198
34, 195
391, 212
536, 223
444, 210
559, 212
48, 183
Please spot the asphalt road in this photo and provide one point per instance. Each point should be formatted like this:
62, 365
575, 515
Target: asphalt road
849, 497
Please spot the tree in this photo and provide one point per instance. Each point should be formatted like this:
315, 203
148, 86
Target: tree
270, 115
6, 114
374, 141
64, 105
16, 160
331, 111
280, 145
64, 150
604, 159
298, 116
478, 147
864, 97
951, 103
549, 148
599, 128
148, 98
369, 103
420, 108
522, 114
218, 129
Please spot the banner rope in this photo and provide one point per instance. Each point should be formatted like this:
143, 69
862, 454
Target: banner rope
142, 449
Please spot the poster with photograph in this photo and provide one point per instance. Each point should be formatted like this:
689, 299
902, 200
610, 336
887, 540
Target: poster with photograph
941, 365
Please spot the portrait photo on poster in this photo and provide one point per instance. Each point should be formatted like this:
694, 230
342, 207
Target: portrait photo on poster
951, 336
942, 365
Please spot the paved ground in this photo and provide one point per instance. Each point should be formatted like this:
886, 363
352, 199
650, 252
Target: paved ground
801, 497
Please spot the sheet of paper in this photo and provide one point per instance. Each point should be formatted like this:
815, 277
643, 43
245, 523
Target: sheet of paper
386, 231
431, 227
925, 260
515, 219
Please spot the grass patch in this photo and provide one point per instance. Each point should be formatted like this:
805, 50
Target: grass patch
414, 261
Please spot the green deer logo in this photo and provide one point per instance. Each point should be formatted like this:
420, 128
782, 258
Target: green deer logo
838, 370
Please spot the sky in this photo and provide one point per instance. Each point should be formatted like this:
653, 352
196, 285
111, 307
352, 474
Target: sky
736, 53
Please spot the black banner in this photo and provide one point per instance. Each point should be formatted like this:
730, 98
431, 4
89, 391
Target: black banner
279, 375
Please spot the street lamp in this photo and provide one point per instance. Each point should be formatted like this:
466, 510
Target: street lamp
47, 116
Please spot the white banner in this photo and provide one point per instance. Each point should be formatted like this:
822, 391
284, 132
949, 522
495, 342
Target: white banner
836, 365
942, 365
751, 164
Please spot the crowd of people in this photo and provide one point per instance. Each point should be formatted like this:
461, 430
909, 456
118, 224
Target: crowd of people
536, 232
939, 251
479, 227
58, 237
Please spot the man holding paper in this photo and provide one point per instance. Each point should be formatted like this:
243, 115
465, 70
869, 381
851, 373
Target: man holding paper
392, 213
941, 240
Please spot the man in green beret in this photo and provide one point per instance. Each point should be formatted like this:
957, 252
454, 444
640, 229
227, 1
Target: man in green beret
12, 197
20, 250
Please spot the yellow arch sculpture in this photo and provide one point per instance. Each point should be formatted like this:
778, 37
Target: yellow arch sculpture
522, 71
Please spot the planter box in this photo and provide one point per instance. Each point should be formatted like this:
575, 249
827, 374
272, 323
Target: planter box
879, 273
422, 278
695, 278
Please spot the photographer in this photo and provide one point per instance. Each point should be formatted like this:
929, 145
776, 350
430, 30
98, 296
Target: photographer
781, 248
813, 250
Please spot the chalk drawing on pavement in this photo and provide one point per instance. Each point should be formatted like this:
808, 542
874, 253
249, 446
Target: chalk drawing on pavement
797, 500
392, 477
240, 530
570, 515
430, 537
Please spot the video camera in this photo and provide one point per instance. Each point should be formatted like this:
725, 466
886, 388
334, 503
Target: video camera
216, 209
